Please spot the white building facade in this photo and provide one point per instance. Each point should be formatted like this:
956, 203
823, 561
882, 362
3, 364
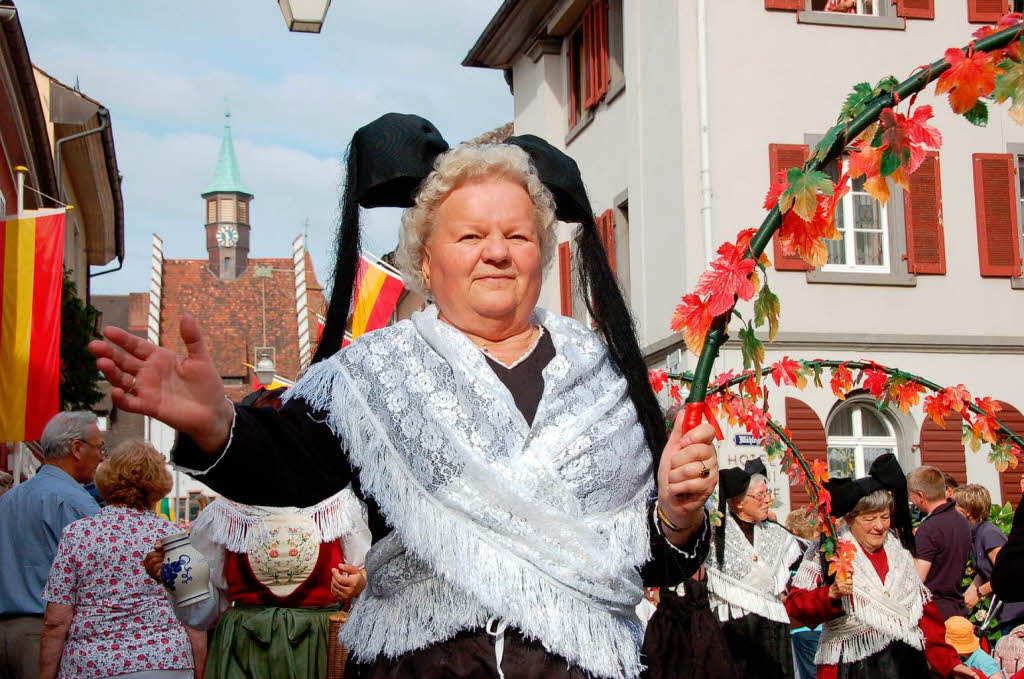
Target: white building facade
678, 138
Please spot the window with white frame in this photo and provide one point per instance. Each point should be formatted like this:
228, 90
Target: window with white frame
858, 434
863, 225
863, 7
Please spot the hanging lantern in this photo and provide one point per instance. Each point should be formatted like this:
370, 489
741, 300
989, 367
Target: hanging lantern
304, 16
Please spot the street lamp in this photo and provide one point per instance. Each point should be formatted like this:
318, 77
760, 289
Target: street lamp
304, 16
265, 365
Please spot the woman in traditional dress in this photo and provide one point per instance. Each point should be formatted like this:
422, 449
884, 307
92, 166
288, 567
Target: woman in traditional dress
882, 622
276, 576
514, 462
748, 572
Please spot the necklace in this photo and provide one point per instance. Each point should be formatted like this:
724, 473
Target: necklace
526, 337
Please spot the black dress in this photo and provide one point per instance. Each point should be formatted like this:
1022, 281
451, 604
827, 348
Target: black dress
683, 640
760, 648
290, 458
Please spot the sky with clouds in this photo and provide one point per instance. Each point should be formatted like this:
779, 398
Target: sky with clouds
166, 69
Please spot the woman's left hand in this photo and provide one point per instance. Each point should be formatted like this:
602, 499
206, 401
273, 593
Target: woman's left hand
347, 581
683, 486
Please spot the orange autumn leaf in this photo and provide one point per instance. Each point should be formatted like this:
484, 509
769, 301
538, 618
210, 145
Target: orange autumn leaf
866, 161
968, 78
842, 382
937, 408
908, 395
985, 428
819, 469
875, 381
956, 398
988, 405
841, 565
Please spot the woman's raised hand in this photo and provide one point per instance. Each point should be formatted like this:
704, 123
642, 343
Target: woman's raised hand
683, 484
840, 588
186, 393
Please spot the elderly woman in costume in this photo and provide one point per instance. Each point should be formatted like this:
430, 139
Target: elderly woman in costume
881, 622
276, 576
520, 483
748, 573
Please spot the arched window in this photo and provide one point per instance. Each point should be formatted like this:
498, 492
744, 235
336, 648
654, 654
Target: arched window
857, 434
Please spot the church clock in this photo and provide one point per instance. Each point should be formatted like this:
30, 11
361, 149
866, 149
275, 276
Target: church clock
227, 235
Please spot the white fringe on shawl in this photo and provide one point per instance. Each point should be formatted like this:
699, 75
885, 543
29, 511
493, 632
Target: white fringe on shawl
231, 524
744, 585
877, 614
542, 527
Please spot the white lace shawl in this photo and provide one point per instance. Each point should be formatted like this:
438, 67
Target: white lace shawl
753, 577
878, 613
543, 528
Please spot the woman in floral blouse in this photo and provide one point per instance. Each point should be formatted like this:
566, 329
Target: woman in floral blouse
105, 617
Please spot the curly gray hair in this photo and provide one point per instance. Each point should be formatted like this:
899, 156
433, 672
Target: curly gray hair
454, 168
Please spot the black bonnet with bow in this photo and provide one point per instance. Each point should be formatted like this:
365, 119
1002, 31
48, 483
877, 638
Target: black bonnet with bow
733, 482
885, 473
387, 161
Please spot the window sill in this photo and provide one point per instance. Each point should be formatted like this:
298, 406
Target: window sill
615, 88
895, 23
1017, 283
900, 279
588, 115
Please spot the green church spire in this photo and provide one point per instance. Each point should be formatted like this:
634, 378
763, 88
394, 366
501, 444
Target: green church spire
227, 179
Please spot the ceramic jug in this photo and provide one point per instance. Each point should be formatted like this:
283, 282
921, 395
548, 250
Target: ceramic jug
185, 572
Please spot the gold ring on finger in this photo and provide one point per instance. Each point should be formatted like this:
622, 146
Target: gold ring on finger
704, 471
131, 387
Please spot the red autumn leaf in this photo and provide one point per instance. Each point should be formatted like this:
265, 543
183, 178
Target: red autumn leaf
824, 506
657, 378
797, 237
728, 277
779, 185
722, 379
937, 408
988, 405
692, 317
920, 131
743, 239
968, 78
875, 381
674, 393
786, 371
908, 395
842, 382
819, 469
956, 398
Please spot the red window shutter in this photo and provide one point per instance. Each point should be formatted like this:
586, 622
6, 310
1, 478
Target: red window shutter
986, 11
785, 4
943, 448
809, 437
916, 9
571, 78
606, 229
922, 208
565, 278
603, 73
589, 61
1009, 480
995, 200
783, 157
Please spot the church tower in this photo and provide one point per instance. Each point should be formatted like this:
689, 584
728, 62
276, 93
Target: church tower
227, 213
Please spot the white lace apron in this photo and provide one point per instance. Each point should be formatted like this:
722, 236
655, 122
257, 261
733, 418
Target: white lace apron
878, 613
539, 527
753, 577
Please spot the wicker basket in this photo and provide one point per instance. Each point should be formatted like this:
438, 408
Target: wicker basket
337, 654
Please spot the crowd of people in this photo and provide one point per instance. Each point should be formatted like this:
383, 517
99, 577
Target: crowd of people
511, 469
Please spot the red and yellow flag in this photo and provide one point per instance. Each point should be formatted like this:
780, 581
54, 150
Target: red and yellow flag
31, 276
377, 293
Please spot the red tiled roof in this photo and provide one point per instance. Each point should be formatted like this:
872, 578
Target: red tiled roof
230, 314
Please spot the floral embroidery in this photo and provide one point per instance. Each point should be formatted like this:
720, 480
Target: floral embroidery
123, 621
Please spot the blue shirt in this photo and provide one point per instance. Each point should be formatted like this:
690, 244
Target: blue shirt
32, 517
983, 661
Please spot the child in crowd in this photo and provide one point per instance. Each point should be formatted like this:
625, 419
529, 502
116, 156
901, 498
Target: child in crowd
960, 635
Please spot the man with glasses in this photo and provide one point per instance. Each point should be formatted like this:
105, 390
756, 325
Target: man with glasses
32, 518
